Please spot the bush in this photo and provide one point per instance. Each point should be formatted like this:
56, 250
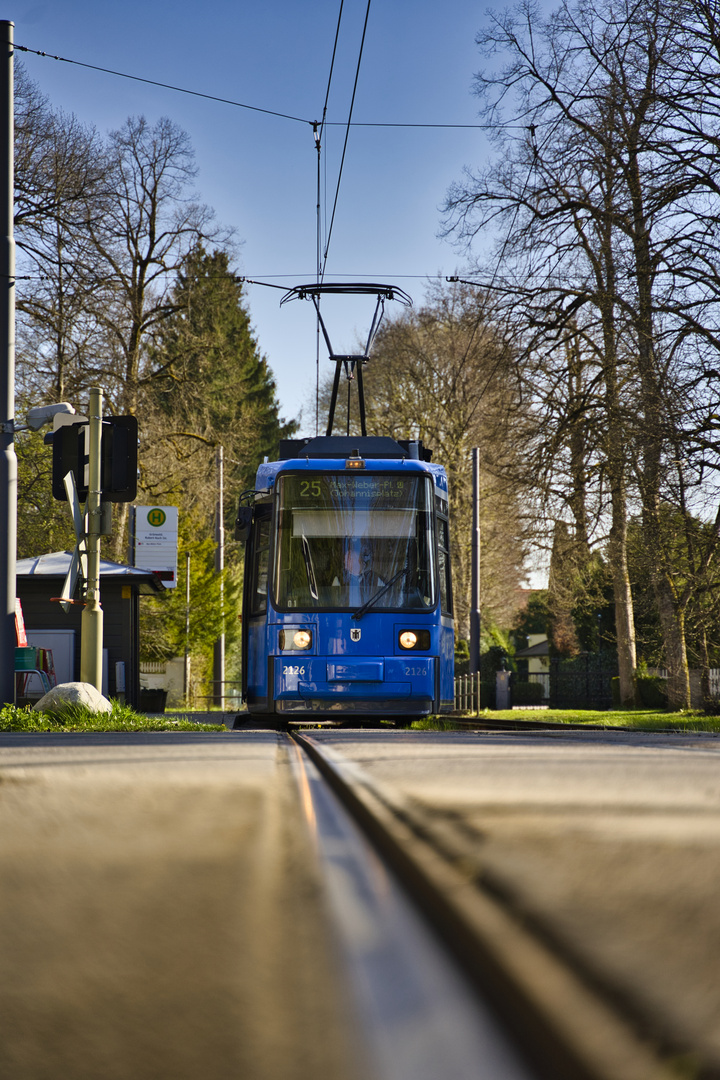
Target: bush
527, 693
652, 691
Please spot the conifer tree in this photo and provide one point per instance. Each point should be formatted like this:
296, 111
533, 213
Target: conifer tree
209, 385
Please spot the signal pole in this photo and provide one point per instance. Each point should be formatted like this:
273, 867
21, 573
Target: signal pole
8, 459
475, 566
91, 624
219, 647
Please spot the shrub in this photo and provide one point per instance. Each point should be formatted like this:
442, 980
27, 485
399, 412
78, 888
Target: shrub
652, 691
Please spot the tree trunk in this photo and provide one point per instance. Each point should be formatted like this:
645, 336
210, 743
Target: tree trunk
624, 617
673, 625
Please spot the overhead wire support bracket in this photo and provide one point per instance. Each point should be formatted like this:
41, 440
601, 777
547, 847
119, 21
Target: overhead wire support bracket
351, 362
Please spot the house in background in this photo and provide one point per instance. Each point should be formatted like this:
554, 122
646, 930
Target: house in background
534, 662
39, 583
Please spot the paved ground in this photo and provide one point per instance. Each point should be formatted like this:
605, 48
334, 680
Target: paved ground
608, 843
159, 913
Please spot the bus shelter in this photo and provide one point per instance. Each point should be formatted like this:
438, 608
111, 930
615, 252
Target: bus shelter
40, 580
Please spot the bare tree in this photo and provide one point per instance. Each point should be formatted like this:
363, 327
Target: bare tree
145, 234
60, 175
601, 219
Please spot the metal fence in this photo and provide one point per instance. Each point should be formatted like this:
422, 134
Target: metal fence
467, 693
542, 677
582, 683
585, 682
714, 682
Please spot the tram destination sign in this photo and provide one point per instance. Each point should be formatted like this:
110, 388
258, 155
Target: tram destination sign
333, 486
155, 541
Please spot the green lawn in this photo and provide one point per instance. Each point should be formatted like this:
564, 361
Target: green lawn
630, 720
122, 718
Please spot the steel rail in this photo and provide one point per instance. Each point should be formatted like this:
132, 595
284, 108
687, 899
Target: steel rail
415, 1015
567, 1030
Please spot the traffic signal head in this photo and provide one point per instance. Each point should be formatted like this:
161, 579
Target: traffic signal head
119, 459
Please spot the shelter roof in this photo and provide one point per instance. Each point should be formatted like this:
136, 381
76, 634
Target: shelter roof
542, 648
57, 564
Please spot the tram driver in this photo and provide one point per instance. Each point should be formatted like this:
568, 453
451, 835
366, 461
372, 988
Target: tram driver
359, 577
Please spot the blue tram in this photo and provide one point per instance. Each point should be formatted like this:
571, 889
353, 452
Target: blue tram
347, 605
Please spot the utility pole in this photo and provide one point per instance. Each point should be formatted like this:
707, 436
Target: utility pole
91, 624
219, 647
8, 459
186, 667
475, 566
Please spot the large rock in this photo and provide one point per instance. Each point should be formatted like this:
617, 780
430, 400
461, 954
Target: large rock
67, 694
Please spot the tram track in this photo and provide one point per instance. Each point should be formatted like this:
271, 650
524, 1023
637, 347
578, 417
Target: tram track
565, 1029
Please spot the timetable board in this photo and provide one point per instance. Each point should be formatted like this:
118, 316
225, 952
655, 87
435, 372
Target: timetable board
156, 541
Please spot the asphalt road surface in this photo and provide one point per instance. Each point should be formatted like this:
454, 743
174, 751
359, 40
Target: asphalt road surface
607, 844
161, 914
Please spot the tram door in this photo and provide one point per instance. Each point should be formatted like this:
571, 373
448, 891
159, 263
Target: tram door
254, 609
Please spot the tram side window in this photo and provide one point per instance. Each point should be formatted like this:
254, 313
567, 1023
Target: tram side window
444, 565
261, 560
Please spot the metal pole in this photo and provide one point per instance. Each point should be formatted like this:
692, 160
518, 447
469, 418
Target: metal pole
8, 460
91, 623
186, 669
219, 647
475, 566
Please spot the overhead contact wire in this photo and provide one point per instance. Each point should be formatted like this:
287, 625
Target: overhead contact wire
230, 101
318, 246
164, 86
347, 135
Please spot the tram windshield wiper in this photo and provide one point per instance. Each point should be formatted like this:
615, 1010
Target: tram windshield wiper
309, 569
381, 592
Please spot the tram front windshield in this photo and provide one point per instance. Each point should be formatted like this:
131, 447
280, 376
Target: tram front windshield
348, 540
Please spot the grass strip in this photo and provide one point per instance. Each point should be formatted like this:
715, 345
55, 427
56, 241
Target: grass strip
628, 720
77, 718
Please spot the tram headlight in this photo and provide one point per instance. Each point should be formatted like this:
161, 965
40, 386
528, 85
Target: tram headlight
302, 639
414, 639
298, 639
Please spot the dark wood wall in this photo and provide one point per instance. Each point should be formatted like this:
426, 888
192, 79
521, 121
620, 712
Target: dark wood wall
121, 628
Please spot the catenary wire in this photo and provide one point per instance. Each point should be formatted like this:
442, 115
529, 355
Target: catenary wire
347, 135
318, 242
163, 85
240, 104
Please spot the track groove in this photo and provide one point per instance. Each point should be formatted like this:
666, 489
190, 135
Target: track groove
567, 1030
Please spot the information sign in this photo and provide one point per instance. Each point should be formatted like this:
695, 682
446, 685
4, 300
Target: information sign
156, 541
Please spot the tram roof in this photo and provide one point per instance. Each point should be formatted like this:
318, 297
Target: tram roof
327, 452
345, 446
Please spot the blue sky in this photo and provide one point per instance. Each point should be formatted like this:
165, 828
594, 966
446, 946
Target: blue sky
259, 171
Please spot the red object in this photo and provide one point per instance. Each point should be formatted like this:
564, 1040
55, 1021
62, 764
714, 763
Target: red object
20, 624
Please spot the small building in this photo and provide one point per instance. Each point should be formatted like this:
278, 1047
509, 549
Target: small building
537, 658
39, 583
